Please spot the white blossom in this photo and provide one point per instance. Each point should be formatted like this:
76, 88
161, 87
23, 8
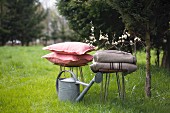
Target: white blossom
94, 40
124, 36
119, 41
86, 40
164, 40
128, 34
107, 35
123, 41
91, 37
131, 43
137, 39
92, 29
103, 37
116, 43
91, 41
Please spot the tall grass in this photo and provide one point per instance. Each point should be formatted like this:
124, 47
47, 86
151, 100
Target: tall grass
27, 85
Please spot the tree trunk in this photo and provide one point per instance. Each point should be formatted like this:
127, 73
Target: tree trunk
157, 61
27, 43
148, 73
22, 42
166, 56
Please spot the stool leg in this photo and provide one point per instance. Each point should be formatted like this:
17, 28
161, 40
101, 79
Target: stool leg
105, 88
60, 68
118, 84
77, 73
71, 69
81, 74
101, 90
123, 86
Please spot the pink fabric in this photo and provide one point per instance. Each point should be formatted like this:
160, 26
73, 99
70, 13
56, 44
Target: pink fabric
68, 60
74, 48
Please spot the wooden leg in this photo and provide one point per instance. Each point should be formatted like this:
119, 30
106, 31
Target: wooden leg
107, 85
101, 90
123, 86
105, 88
118, 84
81, 74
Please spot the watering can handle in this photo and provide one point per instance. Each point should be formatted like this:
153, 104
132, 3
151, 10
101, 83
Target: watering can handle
72, 74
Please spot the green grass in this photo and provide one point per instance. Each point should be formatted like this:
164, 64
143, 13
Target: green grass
27, 85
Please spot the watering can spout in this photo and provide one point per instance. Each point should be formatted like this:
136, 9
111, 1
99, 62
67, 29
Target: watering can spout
98, 78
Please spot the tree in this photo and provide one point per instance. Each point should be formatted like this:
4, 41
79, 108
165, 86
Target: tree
23, 20
3, 26
76, 14
141, 17
166, 54
82, 15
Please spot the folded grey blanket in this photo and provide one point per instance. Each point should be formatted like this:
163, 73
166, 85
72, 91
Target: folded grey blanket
129, 68
106, 56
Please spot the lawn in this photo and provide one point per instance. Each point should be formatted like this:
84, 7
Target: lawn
27, 85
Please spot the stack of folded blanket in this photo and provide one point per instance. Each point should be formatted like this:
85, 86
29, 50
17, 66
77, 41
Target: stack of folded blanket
113, 60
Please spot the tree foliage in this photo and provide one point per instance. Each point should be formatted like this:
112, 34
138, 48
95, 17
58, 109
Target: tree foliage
22, 20
85, 14
144, 18
3, 31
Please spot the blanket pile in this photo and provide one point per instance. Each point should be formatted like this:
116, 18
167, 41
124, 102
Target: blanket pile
113, 60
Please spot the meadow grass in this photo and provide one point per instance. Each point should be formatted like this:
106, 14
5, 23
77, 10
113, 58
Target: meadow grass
27, 85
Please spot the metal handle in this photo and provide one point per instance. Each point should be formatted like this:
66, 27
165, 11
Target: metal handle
72, 74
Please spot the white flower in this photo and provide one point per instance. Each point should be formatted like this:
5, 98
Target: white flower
120, 37
94, 40
92, 29
119, 41
91, 37
164, 40
86, 40
124, 36
123, 41
128, 34
139, 39
136, 38
103, 37
115, 43
131, 43
91, 41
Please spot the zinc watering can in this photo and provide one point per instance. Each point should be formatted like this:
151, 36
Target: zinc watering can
69, 88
